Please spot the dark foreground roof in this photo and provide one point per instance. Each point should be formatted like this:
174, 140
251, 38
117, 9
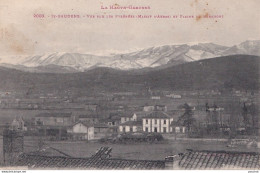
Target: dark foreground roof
219, 160
100, 160
189, 160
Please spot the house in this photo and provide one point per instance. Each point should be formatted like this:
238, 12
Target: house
114, 119
148, 108
128, 116
133, 116
160, 108
53, 125
175, 96
89, 118
155, 97
18, 124
157, 121
54, 119
81, 131
177, 128
130, 126
91, 107
101, 128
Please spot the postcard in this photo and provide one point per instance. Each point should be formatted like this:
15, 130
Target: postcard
129, 85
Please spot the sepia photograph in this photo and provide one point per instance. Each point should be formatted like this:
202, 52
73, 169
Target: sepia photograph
129, 85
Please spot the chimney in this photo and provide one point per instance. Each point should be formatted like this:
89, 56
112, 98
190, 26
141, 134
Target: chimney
172, 162
13, 145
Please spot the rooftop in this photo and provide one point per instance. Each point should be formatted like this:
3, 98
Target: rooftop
100, 160
158, 115
219, 160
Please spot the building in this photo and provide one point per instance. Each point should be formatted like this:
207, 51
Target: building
92, 107
178, 128
190, 160
100, 160
130, 126
175, 96
18, 124
155, 108
148, 108
81, 131
128, 116
113, 120
92, 118
54, 125
160, 108
158, 122
155, 97
54, 119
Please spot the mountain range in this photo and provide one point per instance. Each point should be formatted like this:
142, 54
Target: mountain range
222, 73
153, 57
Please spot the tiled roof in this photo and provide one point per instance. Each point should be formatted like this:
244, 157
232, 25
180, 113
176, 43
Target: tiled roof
132, 123
56, 114
85, 123
157, 114
219, 160
127, 114
100, 160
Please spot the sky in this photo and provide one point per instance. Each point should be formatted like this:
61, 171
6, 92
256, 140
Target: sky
22, 34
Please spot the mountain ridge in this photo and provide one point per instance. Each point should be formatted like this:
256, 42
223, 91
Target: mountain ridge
152, 57
228, 72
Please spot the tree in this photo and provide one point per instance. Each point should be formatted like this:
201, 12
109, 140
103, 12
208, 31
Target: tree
187, 118
254, 111
245, 115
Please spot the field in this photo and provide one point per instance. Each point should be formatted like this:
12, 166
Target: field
156, 151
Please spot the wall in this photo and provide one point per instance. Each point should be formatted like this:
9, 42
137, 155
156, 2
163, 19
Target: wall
159, 125
79, 128
91, 133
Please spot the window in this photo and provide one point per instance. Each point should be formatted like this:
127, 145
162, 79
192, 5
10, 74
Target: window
164, 130
146, 121
155, 129
146, 129
155, 121
123, 129
164, 121
131, 129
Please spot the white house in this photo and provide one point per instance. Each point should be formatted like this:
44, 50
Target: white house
81, 131
136, 116
130, 126
148, 108
158, 122
155, 97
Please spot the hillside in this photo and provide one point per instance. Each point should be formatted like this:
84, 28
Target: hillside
237, 71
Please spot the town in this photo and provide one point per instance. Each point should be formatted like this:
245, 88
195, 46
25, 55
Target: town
131, 118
